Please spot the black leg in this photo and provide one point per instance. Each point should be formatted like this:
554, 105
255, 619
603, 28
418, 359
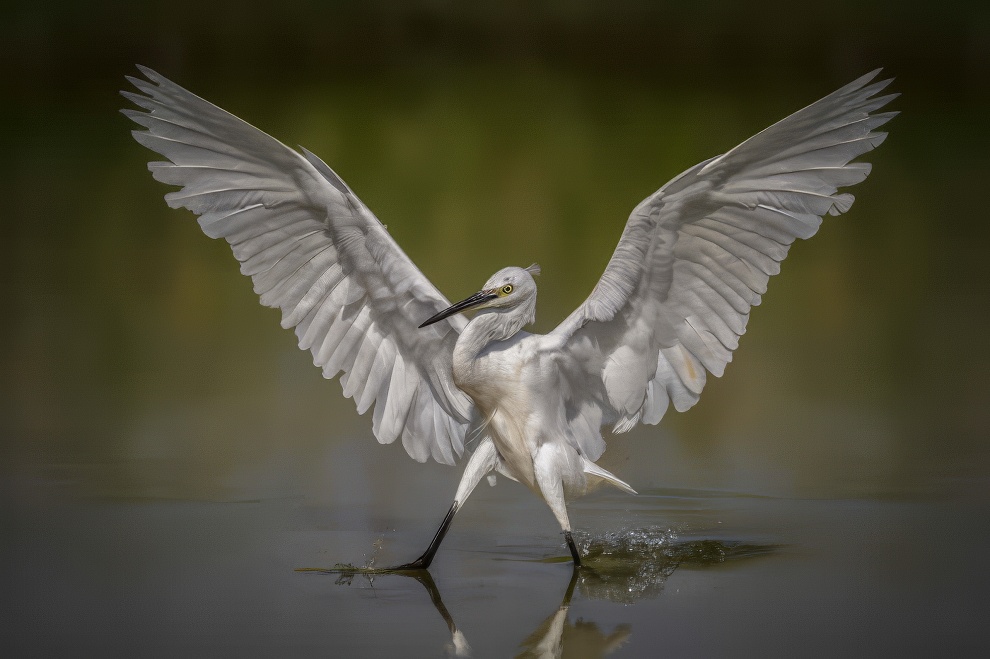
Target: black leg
424, 561
574, 552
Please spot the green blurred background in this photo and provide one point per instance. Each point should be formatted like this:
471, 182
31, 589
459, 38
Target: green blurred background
136, 361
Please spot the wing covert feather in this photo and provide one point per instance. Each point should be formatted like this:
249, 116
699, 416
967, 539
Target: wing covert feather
696, 255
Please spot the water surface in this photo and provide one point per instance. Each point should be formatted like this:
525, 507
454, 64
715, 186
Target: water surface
684, 573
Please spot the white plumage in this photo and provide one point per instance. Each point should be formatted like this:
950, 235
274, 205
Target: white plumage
694, 257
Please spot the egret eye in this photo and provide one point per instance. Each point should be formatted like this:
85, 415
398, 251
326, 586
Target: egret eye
506, 289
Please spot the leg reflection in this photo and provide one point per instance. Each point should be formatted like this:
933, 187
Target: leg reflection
458, 643
557, 632
549, 638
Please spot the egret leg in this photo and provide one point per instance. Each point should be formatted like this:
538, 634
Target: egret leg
424, 561
482, 461
574, 552
548, 465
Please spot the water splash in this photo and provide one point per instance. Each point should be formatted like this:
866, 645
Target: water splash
633, 564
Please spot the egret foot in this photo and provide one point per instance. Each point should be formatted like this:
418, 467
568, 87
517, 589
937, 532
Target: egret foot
423, 562
574, 552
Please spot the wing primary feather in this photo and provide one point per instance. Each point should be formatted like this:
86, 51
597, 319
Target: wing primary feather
314, 250
697, 255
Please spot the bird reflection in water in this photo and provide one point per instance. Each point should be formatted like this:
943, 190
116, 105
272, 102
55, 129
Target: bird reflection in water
558, 632
622, 567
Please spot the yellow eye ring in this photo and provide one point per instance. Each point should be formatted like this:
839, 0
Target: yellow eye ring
506, 289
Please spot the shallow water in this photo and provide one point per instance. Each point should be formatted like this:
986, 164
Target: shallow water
682, 573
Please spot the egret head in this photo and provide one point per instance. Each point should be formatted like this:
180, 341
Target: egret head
510, 290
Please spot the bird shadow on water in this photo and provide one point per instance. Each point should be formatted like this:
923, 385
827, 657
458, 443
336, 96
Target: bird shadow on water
621, 566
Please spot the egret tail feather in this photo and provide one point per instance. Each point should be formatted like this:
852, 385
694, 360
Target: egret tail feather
592, 469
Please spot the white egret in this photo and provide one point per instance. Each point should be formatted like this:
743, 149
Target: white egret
694, 257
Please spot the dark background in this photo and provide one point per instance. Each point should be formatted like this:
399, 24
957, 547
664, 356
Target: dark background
485, 136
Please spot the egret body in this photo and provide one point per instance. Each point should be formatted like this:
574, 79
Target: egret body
693, 259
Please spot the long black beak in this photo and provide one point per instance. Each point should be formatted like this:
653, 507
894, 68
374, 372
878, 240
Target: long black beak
478, 298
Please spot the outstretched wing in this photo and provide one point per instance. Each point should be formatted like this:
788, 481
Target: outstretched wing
697, 254
315, 251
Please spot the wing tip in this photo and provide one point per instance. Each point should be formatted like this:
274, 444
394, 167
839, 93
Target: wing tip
866, 79
152, 76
